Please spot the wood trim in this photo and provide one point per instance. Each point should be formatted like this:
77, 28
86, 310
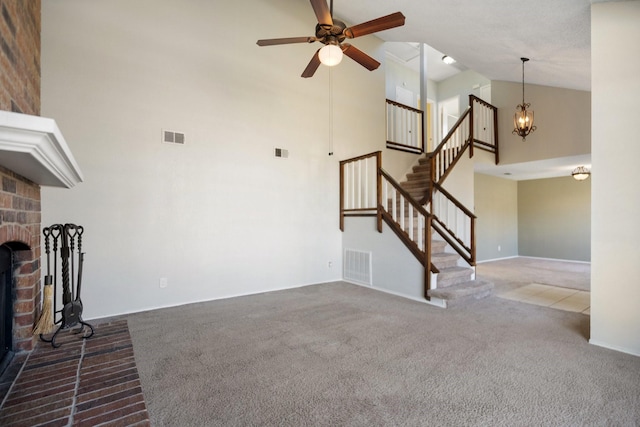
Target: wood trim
406, 107
454, 200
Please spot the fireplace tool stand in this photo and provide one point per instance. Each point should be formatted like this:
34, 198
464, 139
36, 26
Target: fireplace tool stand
65, 237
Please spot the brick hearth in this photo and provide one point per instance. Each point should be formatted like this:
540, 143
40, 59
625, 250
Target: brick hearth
81, 383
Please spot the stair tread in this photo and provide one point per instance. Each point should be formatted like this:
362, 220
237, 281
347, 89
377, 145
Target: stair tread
465, 289
444, 256
455, 270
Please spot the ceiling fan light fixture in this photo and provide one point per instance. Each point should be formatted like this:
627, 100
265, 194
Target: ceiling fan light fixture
330, 55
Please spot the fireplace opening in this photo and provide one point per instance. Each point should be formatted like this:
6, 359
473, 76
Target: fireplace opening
6, 306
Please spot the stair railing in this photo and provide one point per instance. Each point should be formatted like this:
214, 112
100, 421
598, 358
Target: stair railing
449, 151
450, 216
404, 128
454, 222
364, 185
367, 190
484, 126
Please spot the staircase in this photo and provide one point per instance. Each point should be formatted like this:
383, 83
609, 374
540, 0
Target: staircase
419, 210
455, 283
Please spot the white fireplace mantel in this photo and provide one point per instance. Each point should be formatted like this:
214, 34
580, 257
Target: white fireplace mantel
34, 147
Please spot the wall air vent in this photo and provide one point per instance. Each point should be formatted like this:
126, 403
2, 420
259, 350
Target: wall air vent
281, 152
357, 267
172, 137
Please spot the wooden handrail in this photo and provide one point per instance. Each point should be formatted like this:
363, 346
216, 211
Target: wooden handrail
406, 107
364, 156
401, 118
440, 146
469, 252
423, 256
481, 101
378, 155
453, 200
421, 210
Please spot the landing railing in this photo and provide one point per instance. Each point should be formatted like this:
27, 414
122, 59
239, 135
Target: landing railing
404, 128
360, 186
484, 126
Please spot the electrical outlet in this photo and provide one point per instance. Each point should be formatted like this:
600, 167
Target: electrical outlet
329, 264
164, 282
499, 248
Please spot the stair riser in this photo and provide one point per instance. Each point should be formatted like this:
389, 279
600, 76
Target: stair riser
415, 184
445, 280
444, 264
421, 175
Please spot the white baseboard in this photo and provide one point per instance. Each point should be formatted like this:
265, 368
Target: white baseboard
614, 347
437, 302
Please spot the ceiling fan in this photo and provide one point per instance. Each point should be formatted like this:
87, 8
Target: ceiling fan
332, 32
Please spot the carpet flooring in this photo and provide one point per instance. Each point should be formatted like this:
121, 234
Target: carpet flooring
508, 274
341, 354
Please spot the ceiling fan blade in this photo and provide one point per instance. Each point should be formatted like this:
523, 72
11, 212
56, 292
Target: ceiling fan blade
288, 40
322, 12
312, 66
375, 25
360, 57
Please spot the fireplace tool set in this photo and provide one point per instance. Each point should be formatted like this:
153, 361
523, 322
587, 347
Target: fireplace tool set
68, 239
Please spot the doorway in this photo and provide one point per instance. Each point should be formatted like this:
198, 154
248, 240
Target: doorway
449, 114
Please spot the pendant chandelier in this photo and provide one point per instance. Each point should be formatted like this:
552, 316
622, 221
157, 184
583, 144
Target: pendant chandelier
523, 119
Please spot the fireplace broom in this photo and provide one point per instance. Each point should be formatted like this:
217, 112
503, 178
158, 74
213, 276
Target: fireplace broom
45, 324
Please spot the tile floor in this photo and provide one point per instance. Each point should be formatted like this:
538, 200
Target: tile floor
552, 296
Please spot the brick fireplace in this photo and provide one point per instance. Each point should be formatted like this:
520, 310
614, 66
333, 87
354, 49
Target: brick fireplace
20, 232
33, 153
20, 196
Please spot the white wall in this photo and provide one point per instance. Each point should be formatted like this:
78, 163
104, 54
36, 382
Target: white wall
462, 85
615, 229
395, 269
219, 216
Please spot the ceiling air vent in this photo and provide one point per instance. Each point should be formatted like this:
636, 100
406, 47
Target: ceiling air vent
172, 137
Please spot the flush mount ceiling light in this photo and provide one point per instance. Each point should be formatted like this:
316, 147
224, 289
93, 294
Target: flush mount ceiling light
523, 119
580, 173
448, 60
331, 54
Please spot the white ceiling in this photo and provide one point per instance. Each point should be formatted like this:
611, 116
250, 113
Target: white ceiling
408, 54
490, 37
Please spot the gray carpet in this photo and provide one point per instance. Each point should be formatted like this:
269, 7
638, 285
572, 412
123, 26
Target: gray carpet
340, 354
508, 274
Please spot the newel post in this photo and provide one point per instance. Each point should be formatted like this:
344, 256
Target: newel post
379, 190
341, 196
471, 126
427, 257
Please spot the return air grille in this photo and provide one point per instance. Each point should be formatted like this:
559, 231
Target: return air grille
172, 137
357, 267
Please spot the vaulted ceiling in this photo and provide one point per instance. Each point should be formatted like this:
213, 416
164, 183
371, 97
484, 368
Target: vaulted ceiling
490, 36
